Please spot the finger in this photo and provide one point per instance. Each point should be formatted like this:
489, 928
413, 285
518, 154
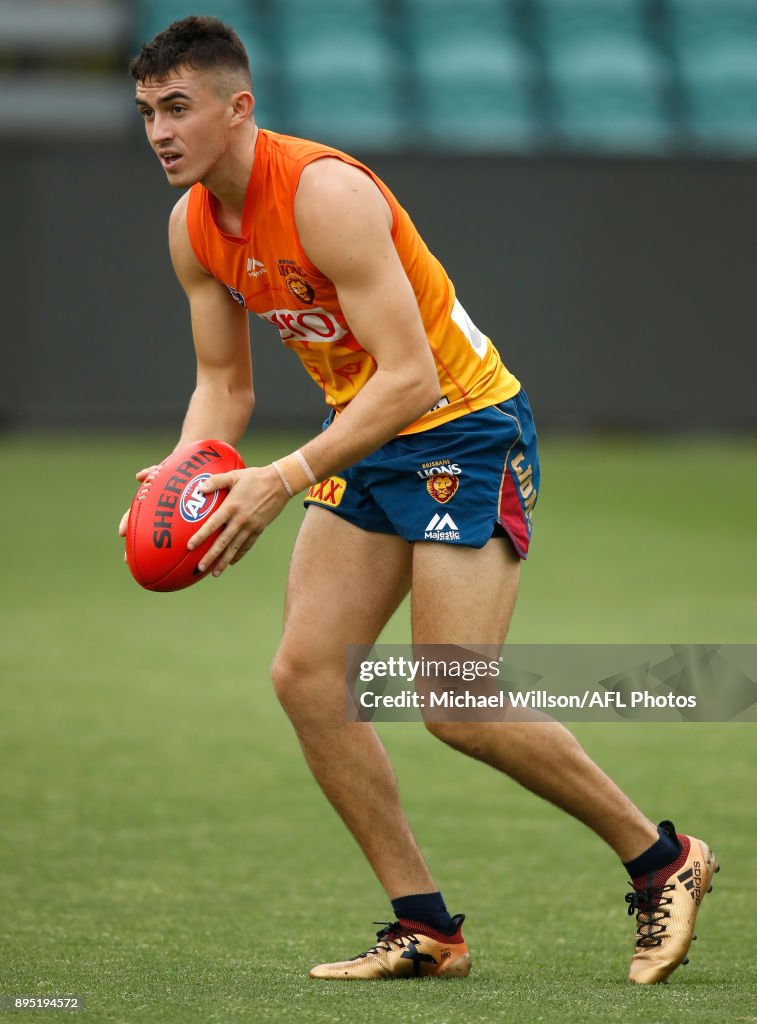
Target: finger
219, 482
234, 533
223, 540
143, 474
239, 546
217, 521
124, 523
244, 548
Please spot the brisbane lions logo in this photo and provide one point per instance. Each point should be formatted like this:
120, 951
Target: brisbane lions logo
299, 287
441, 487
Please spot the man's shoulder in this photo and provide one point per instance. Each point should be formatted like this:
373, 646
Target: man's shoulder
295, 147
187, 260
178, 213
178, 232
332, 192
306, 156
332, 172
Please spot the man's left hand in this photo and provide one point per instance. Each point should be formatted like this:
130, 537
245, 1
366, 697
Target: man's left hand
255, 498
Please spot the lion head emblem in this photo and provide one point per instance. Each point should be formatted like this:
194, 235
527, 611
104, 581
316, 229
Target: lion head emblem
441, 487
299, 287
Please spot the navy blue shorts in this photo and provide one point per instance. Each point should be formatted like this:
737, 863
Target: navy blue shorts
459, 483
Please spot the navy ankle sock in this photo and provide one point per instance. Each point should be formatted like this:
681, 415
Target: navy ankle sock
659, 854
426, 908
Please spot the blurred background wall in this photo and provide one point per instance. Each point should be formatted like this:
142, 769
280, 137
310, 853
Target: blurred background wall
585, 169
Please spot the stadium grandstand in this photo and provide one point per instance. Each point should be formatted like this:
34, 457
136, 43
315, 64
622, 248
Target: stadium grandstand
608, 76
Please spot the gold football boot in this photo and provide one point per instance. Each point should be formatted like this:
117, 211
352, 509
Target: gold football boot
405, 949
666, 903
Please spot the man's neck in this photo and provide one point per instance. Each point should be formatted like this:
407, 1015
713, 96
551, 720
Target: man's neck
228, 183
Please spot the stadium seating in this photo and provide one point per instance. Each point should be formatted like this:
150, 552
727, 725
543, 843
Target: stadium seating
606, 75
344, 88
425, 20
610, 96
327, 18
340, 73
703, 22
715, 45
473, 75
721, 95
475, 94
566, 22
155, 15
606, 81
52, 27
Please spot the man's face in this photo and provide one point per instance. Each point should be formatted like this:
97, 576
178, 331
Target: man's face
187, 123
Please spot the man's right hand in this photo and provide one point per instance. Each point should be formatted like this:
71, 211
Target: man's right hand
144, 476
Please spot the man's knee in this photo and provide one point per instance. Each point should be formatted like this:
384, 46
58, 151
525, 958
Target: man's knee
441, 730
288, 674
303, 682
463, 736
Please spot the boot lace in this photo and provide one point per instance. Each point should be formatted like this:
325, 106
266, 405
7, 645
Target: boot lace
652, 909
392, 934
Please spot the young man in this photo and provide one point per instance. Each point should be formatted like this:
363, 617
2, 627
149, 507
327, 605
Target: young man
427, 471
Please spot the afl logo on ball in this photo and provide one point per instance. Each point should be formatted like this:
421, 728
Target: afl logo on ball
195, 505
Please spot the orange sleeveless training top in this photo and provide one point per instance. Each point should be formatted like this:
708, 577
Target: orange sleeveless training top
266, 270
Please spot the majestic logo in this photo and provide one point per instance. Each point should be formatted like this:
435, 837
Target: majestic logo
442, 528
329, 492
442, 487
237, 296
194, 505
255, 268
312, 325
299, 287
692, 881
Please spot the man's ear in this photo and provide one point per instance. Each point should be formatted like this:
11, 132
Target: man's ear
243, 104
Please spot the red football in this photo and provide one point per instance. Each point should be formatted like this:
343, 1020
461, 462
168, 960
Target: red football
168, 509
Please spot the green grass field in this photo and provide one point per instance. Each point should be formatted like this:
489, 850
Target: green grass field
166, 855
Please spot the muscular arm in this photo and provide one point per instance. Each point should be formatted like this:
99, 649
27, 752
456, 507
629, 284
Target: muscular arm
222, 401
344, 224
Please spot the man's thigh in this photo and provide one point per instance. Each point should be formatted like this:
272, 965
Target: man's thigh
463, 595
344, 584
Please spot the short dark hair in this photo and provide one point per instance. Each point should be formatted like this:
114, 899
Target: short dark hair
199, 42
